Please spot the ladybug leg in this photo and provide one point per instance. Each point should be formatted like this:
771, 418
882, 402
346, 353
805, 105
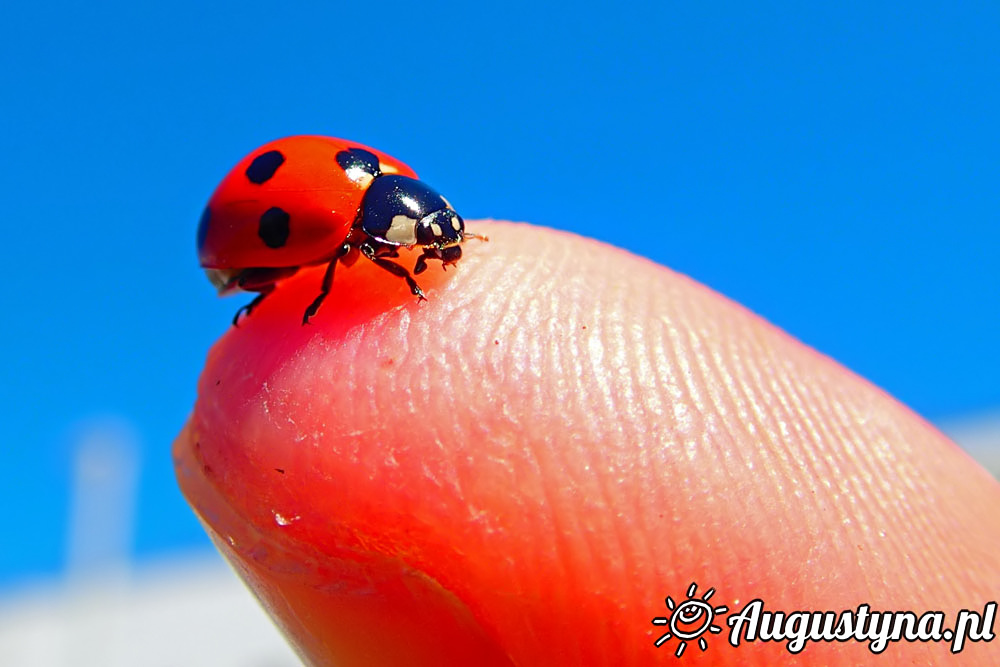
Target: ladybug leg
327, 285
421, 264
246, 310
372, 253
448, 256
387, 251
258, 280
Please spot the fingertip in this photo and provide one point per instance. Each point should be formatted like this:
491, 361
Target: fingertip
559, 437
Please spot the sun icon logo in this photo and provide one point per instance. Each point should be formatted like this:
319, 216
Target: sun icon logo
690, 619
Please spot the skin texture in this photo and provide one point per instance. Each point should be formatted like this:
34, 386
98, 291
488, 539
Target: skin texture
519, 470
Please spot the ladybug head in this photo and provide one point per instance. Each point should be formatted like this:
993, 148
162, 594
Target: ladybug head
400, 210
440, 229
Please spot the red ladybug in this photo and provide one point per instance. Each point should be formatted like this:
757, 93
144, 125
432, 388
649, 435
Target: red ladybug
308, 200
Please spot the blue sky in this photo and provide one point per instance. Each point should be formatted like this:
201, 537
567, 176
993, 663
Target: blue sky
834, 168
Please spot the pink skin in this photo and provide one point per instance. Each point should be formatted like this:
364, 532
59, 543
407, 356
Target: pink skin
520, 469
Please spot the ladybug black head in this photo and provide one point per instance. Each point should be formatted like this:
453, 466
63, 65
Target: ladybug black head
440, 229
400, 210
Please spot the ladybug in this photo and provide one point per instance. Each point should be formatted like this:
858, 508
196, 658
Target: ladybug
307, 200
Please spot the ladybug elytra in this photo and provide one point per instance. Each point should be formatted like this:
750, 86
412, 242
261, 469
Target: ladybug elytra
307, 200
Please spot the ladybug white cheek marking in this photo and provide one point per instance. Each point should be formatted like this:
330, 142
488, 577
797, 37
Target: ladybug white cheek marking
436, 229
455, 224
403, 230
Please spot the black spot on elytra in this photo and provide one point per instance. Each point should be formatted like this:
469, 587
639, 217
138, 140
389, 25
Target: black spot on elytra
273, 228
359, 158
264, 165
206, 218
